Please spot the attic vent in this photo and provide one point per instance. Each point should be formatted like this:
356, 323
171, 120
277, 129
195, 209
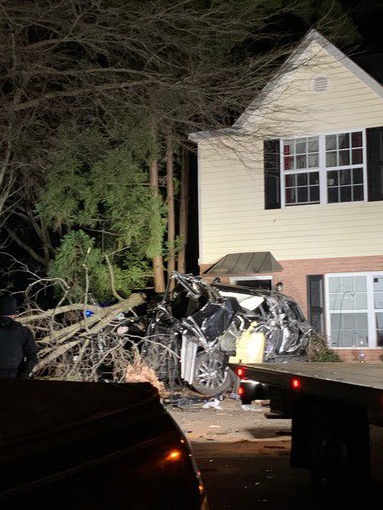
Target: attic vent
320, 83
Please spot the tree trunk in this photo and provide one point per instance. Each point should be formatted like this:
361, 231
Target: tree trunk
183, 218
158, 266
170, 205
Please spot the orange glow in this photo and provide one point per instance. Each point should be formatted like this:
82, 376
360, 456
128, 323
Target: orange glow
201, 488
241, 391
174, 455
241, 372
295, 383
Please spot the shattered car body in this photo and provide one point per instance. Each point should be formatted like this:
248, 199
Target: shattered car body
204, 325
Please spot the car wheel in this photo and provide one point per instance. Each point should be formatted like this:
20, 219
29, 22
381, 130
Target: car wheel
211, 375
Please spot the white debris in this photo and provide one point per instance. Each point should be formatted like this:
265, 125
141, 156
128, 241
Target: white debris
214, 404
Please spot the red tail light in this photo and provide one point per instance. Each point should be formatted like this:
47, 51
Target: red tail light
241, 372
296, 383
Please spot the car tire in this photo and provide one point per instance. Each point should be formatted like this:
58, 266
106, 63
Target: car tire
211, 375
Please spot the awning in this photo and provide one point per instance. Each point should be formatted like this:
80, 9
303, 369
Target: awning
245, 263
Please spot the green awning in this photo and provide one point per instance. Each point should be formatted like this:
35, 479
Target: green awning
245, 263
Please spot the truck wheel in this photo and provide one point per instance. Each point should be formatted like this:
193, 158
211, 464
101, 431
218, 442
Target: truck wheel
328, 453
339, 450
211, 375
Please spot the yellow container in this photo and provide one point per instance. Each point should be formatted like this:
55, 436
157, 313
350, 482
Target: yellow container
250, 346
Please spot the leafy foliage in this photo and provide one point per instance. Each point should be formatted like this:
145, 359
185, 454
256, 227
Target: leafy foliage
97, 192
319, 351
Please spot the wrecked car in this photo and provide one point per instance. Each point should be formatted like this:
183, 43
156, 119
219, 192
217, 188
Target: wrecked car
198, 327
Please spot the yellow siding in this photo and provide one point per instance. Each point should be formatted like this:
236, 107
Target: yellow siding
231, 201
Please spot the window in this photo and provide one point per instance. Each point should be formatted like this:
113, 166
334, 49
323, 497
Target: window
323, 169
378, 309
355, 309
256, 282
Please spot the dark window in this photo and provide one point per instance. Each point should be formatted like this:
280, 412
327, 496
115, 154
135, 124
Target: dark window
272, 174
315, 302
375, 163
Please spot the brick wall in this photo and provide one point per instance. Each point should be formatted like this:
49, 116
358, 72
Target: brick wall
294, 273
352, 355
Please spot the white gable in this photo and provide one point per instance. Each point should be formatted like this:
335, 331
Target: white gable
288, 95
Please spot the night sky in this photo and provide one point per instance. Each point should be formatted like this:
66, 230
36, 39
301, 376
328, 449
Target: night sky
368, 17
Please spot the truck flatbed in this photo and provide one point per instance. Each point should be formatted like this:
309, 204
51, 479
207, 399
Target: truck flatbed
337, 417
358, 383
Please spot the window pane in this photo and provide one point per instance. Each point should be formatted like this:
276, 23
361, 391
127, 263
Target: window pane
357, 176
334, 284
358, 194
356, 139
302, 179
302, 195
301, 161
314, 193
314, 177
378, 283
331, 159
378, 300
333, 195
360, 283
360, 301
290, 196
347, 330
330, 142
357, 156
344, 177
344, 141
347, 284
332, 178
313, 160
300, 146
378, 292
289, 181
344, 158
288, 147
361, 321
313, 144
288, 162
379, 329
335, 302
345, 194
348, 300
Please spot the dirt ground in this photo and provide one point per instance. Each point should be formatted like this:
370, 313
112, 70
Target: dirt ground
228, 421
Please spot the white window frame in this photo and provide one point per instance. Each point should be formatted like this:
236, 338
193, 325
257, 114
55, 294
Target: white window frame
372, 337
322, 169
237, 279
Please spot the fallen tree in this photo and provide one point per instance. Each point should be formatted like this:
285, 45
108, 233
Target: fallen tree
78, 341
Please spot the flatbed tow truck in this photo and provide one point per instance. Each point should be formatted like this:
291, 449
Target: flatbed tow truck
337, 416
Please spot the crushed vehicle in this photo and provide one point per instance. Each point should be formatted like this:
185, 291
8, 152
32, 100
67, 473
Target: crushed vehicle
198, 327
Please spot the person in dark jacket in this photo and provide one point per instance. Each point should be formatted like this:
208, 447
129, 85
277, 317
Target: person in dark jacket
18, 350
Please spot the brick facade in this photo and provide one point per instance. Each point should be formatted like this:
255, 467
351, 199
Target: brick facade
294, 277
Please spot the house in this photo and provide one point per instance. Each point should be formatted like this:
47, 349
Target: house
292, 195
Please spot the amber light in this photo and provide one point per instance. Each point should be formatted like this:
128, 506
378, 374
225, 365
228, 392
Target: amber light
241, 391
240, 372
174, 455
296, 383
